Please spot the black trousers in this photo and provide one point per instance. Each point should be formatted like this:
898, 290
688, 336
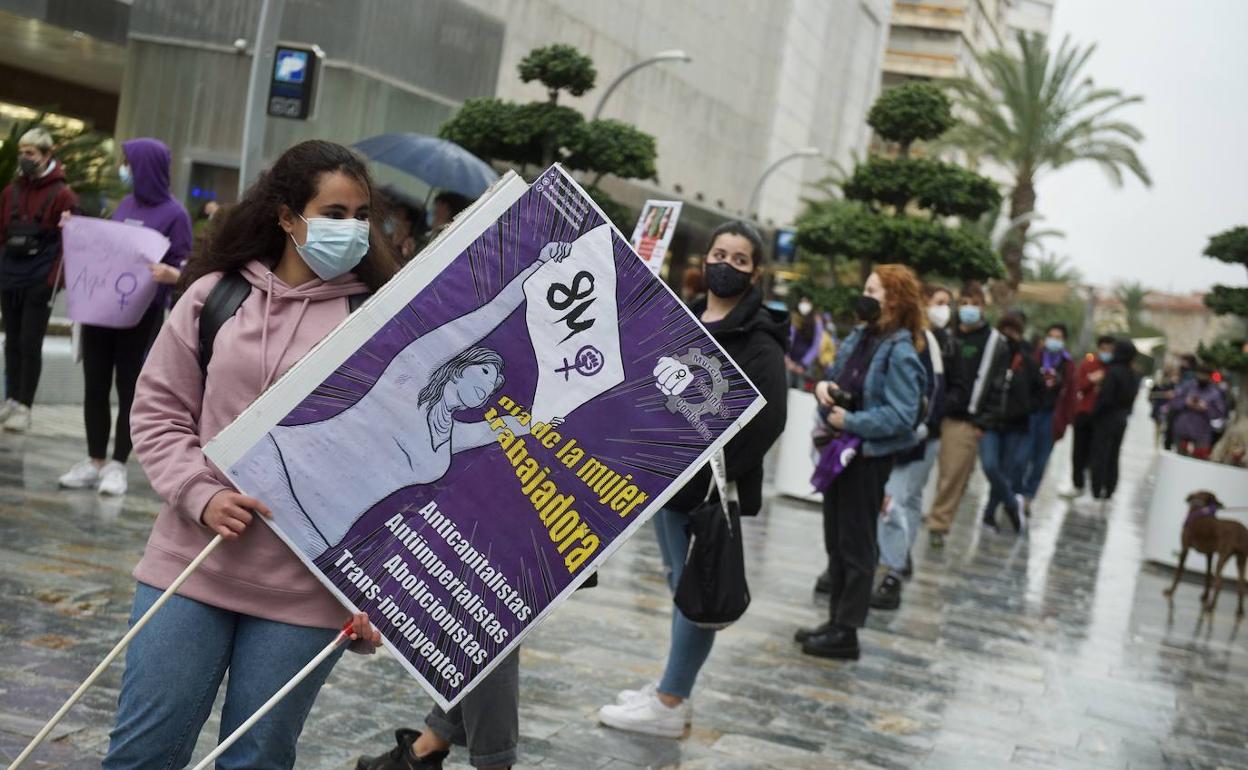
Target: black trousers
851, 512
1081, 448
26, 313
110, 355
1107, 432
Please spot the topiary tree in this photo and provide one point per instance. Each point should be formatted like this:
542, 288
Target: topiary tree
1231, 247
537, 134
904, 209
911, 112
559, 67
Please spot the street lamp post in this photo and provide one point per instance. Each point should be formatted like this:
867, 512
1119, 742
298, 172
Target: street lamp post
252, 151
805, 152
661, 56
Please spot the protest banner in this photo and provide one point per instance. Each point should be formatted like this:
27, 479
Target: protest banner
107, 280
455, 466
654, 231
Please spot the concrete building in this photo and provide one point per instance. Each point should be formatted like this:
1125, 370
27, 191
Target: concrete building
938, 39
1029, 17
764, 81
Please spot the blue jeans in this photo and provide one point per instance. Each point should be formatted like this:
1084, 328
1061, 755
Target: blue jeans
690, 644
1000, 454
174, 668
1039, 447
898, 530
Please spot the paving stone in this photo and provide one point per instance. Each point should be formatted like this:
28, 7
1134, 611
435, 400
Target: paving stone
1057, 651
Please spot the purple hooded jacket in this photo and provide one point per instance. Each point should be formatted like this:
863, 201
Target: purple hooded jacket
152, 205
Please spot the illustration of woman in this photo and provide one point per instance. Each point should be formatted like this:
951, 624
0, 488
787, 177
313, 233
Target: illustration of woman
401, 433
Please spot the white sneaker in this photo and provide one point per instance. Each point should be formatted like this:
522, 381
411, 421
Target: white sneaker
1071, 492
6, 409
112, 479
632, 696
647, 691
18, 420
84, 475
648, 716
1021, 502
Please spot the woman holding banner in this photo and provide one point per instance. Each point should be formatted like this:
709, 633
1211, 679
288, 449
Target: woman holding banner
874, 402
755, 336
300, 238
116, 355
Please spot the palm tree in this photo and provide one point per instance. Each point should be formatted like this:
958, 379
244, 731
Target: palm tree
1050, 268
1131, 295
1038, 113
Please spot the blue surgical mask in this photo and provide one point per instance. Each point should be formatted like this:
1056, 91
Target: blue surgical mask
970, 314
127, 178
334, 246
1053, 344
1105, 357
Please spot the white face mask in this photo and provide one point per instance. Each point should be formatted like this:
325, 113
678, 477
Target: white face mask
804, 308
939, 315
334, 246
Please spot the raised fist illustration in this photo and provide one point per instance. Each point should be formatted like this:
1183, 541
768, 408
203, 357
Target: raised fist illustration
673, 376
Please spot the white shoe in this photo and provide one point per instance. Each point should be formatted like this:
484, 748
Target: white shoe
112, 479
84, 475
648, 716
1021, 502
647, 691
1071, 492
18, 420
632, 696
6, 409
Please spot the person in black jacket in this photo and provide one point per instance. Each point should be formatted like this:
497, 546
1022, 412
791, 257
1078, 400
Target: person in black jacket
1002, 410
1109, 419
755, 337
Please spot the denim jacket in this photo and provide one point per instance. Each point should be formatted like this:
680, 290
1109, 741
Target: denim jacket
892, 394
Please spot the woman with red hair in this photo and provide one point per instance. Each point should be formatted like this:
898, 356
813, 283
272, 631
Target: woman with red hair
874, 403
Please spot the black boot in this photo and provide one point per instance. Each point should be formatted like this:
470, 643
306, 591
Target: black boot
805, 633
401, 758
888, 595
907, 571
837, 643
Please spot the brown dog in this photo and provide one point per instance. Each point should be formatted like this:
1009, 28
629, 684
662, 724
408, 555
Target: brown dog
1207, 534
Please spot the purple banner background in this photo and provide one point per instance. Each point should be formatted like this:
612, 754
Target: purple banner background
628, 428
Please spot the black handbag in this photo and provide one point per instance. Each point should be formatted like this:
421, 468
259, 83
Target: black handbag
713, 592
25, 240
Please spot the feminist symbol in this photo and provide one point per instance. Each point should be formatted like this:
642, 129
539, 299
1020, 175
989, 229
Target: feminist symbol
125, 293
588, 361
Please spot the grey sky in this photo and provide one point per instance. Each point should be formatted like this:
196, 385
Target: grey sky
1189, 62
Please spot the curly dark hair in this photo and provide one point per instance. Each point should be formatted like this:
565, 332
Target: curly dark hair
249, 229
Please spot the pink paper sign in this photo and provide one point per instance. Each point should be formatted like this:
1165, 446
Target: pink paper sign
107, 279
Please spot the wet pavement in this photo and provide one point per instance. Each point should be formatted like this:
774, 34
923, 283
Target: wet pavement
1057, 651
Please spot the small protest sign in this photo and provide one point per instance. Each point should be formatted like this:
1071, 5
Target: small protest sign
456, 466
107, 280
654, 231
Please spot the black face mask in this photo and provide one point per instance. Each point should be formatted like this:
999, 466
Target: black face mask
1203, 381
725, 281
28, 166
867, 308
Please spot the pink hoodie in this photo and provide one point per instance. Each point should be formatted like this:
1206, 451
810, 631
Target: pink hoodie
174, 415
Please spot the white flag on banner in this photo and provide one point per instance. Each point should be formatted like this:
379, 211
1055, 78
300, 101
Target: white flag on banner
571, 315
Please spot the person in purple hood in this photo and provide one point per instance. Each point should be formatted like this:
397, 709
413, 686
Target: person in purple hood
116, 355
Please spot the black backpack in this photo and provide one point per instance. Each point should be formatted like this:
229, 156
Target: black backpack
223, 302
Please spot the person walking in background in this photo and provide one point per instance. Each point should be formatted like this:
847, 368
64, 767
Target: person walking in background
300, 237
31, 208
1002, 410
805, 342
446, 206
873, 399
116, 355
1049, 421
1114, 401
903, 494
1196, 405
959, 438
755, 337
1088, 378
404, 224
